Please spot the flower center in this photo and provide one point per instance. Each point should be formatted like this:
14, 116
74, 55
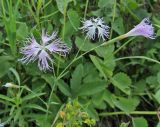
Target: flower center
43, 47
95, 24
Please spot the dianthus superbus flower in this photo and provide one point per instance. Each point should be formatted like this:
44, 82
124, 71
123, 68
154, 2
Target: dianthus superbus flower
33, 50
144, 28
95, 27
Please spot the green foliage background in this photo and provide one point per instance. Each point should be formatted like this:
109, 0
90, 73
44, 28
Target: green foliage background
118, 85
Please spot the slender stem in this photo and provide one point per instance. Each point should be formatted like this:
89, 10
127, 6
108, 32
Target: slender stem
64, 16
64, 29
124, 45
103, 44
130, 113
138, 57
57, 115
39, 5
74, 59
49, 15
49, 100
28, 89
85, 12
114, 14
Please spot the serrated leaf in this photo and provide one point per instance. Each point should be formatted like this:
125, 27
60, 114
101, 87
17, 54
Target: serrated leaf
64, 88
97, 62
107, 96
49, 79
98, 99
123, 82
125, 124
157, 96
139, 122
105, 3
22, 31
118, 26
76, 78
62, 4
74, 19
126, 104
91, 88
84, 45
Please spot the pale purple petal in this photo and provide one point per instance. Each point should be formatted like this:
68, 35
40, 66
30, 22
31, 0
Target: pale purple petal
144, 28
46, 38
30, 50
58, 47
43, 59
34, 51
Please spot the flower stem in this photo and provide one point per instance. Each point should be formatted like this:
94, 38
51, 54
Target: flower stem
124, 45
103, 44
130, 113
114, 15
138, 57
63, 32
87, 1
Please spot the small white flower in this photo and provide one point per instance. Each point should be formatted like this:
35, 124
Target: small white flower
1, 125
95, 27
10, 85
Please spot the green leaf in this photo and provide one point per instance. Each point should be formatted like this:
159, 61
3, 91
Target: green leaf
84, 45
157, 96
76, 79
31, 96
35, 106
123, 82
158, 77
158, 125
49, 79
97, 62
107, 96
32, 69
105, 3
62, 4
74, 19
139, 122
92, 112
16, 75
118, 26
91, 88
4, 60
152, 81
125, 124
22, 31
98, 100
64, 88
3, 97
5, 68
126, 104
140, 87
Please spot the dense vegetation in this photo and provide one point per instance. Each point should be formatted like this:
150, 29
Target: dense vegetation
82, 79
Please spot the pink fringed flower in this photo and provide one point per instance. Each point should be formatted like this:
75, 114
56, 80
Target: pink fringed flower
49, 44
144, 28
